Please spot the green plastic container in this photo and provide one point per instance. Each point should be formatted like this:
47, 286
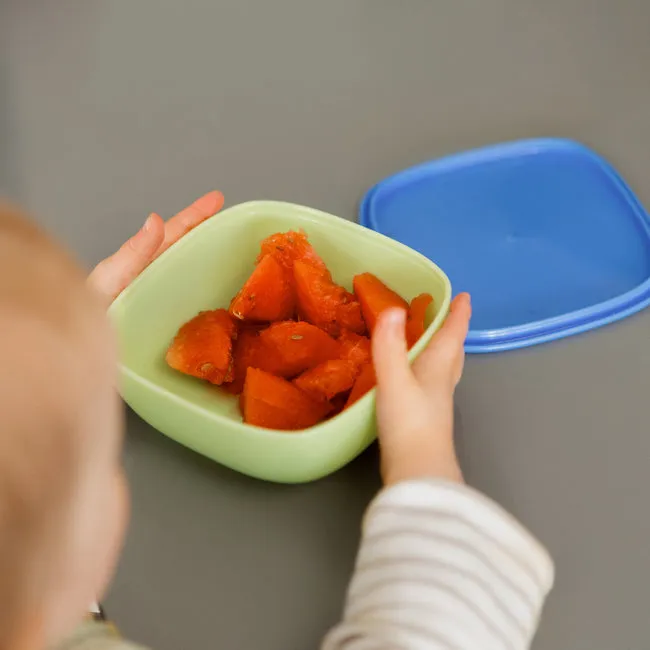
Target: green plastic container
203, 271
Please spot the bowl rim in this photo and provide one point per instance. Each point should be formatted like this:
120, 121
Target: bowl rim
252, 208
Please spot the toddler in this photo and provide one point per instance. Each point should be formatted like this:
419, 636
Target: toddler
439, 566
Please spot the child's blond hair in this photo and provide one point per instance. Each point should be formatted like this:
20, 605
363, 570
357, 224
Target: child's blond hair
54, 354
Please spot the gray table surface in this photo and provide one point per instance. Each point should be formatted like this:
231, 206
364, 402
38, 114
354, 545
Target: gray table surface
110, 109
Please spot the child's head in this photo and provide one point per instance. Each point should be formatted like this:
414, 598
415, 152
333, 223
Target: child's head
62, 494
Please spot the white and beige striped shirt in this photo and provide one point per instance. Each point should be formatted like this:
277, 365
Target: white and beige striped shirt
440, 567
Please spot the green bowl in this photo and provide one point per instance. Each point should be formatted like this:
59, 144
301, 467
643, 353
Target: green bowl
203, 271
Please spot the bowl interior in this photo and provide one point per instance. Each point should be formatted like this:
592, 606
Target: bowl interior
206, 268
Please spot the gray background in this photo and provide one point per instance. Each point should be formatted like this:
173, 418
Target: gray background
111, 109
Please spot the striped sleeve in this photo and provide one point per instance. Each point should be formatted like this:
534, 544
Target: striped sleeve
441, 566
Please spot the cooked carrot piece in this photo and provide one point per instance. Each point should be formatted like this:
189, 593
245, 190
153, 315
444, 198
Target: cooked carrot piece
291, 348
248, 351
274, 403
323, 303
349, 315
355, 348
315, 299
267, 295
251, 326
328, 379
337, 403
364, 383
375, 297
287, 247
415, 319
203, 347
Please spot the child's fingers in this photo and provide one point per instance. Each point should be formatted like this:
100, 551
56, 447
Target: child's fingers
190, 217
390, 357
456, 326
443, 356
116, 272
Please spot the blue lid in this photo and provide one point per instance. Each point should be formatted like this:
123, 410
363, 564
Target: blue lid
545, 235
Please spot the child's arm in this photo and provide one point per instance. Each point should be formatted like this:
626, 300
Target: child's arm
440, 565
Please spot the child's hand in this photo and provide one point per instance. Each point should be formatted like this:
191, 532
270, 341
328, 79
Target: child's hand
115, 273
415, 405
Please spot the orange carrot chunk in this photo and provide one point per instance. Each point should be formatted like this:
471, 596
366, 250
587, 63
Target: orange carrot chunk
203, 347
287, 247
315, 297
415, 319
364, 383
328, 379
337, 404
267, 295
291, 348
248, 351
274, 403
349, 315
321, 302
355, 348
375, 297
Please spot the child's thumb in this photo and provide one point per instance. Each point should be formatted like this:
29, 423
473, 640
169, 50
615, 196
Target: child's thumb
111, 276
390, 356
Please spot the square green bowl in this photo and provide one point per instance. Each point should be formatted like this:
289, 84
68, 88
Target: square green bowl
203, 271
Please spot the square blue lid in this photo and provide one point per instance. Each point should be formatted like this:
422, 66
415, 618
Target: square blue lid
545, 235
